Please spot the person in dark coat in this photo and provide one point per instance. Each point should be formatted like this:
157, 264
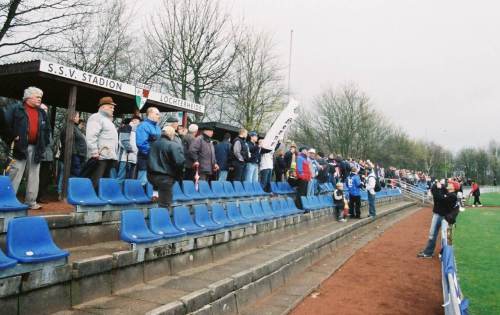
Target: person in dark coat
289, 157
202, 153
79, 151
165, 164
186, 141
280, 166
239, 155
31, 135
222, 153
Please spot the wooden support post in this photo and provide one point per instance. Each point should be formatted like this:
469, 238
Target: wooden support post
68, 143
184, 119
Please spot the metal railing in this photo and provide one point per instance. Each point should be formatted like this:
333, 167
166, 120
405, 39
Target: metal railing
452, 295
411, 191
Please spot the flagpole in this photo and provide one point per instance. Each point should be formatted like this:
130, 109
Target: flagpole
290, 64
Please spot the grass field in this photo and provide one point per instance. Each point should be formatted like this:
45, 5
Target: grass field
489, 199
477, 249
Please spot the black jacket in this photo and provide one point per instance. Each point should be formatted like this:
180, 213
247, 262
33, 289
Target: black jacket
20, 129
444, 202
288, 159
254, 150
166, 157
79, 142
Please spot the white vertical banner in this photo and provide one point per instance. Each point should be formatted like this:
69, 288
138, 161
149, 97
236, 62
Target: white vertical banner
281, 125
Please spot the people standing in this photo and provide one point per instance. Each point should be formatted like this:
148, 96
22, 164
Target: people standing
46, 166
202, 152
252, 165
164, 165
266, 168
280, 166
371, 183
339, 201
312, 185
186, 141
476, 193
174, 123
444, 203
31, 135
146, 133
239, 155
303, 174
127, 152
222, 153
102, 140
354, 184
290, 158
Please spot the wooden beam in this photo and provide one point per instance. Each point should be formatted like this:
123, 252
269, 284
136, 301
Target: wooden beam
68, 143
184, 119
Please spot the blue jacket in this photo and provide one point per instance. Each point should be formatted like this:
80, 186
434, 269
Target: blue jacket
354, 184
222, 151
146, 133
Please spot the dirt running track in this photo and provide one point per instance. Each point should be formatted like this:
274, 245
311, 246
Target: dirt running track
384, 277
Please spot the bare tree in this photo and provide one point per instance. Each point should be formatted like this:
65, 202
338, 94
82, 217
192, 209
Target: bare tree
192, 45
104, 44
256, 92
36, 26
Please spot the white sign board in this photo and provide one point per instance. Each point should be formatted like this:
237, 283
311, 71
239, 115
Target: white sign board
92, 79
281, 125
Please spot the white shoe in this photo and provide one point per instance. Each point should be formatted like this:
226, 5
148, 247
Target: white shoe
343, 220
462, 209
35, 206
480, 206
473, 206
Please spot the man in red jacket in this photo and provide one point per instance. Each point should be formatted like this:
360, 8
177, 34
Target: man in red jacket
303, 173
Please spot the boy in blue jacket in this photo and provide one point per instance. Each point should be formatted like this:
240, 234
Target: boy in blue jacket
354, 184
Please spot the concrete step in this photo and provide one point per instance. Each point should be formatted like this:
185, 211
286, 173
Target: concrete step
228, 282
287, 297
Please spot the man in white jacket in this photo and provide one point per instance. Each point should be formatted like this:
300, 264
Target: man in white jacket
102, 139
370, 188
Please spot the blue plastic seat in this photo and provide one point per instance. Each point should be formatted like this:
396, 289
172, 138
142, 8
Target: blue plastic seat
149, 190
203, 219
258, 189
259, 212
81, 192
190, 191
161, 224
218, 189
110, 191
134, 191
276, 206
205, 190
285, 207
177, 194
292, 206
184, 222
275, 189
8, 199
285, 187
229, 189
329, 201
219, 216
240, 191
247, 213
364, 195
314, 201
29, 241
6, 262
306, 205
249, 189
266, 207
234, 214
133, 228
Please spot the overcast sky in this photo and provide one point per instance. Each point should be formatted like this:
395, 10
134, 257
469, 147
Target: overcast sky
430, 66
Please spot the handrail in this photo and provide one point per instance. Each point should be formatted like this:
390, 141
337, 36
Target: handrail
412, 191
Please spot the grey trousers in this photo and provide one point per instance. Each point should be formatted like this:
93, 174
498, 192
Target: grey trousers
32, 169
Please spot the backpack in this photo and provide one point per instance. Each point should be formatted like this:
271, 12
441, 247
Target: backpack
377, 187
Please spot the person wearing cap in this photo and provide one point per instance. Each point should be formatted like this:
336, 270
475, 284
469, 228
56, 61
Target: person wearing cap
354, 184
146, 133
102, 140
252, 165
127, 152
302, 173
445, 202
339, 200
165, 164
371, 182
314, 166
202, 152
222, 154
186, 141
239, 155
173, 122
29, 129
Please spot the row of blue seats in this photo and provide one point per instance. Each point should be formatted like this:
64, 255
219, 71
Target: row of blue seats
8, 199
381, 194
311, 203
29, 241
135, 230
281, 188
81, 192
